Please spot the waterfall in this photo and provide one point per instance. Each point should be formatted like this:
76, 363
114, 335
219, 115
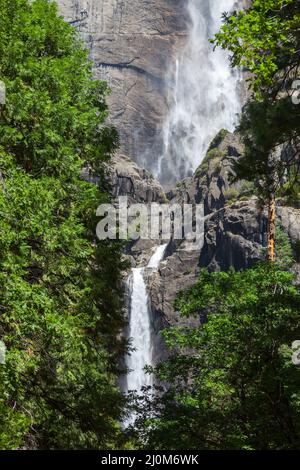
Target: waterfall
140, 332
204, 94
140, 325
157, 257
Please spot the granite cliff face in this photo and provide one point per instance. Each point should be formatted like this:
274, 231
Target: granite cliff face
131, 43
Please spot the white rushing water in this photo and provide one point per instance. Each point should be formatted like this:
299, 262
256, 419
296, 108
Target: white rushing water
140, 326
203, 94
157, 257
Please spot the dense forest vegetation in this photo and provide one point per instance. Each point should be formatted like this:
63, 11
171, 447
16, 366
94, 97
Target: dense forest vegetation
229, 383
60, 291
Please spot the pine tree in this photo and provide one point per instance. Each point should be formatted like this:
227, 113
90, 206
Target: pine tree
264, 40
60, 290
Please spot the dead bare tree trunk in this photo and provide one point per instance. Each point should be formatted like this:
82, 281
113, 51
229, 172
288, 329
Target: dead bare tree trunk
272, 229
273, 160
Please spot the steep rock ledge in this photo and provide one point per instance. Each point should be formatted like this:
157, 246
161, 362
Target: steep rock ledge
128, 179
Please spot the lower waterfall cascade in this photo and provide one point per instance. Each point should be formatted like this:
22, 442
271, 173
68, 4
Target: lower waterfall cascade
140, 325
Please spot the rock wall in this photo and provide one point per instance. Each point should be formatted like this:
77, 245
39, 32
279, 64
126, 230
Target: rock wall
131, 43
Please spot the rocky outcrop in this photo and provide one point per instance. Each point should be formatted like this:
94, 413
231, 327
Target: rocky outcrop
290, 221
128, 179
234, 237
235, 229
215, 175
131, 43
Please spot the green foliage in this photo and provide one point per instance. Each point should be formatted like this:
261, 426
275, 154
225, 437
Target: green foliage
296, 248
266, 127
247, 189
218, 139
231, 195
290, 189
213, 153
265, 40
211, 161
60, 290
232, 382
14, 424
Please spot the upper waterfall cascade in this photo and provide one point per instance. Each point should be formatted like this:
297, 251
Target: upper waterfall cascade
204, 96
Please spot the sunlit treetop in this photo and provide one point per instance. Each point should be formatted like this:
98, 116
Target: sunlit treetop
264, 39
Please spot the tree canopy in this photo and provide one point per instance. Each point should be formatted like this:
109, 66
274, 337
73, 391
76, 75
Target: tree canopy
60, 290
231, 380
265, 40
